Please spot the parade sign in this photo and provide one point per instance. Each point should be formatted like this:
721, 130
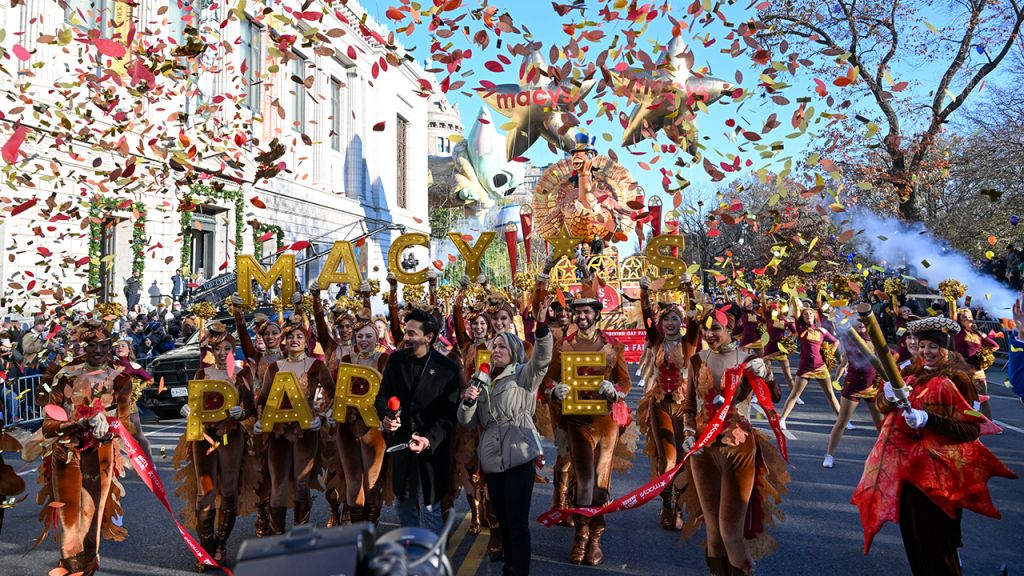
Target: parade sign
633, 340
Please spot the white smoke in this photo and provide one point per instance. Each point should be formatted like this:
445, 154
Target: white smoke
914, 246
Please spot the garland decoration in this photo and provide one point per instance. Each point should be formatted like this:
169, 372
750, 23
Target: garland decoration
99, 208
260, 229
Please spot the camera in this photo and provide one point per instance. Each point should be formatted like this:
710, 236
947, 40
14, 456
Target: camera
348, 551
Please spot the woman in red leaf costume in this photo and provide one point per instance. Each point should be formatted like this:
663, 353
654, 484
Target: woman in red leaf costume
928, 465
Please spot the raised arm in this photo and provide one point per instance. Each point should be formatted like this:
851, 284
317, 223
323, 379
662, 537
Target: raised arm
248, 348
543, 350
396, 327
461, 336
653, 336
323, 332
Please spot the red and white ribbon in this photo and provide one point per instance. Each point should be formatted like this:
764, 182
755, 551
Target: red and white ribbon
147, 472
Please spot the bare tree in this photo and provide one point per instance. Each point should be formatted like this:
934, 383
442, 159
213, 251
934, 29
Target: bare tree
871, 37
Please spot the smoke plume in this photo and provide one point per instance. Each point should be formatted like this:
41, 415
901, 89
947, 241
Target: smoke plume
915, 247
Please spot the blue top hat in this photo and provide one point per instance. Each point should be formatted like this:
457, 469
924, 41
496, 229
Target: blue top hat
585, 143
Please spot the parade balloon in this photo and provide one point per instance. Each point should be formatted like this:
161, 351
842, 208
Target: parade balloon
1014, 220
536, 106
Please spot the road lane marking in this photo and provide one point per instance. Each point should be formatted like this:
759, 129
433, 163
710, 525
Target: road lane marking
1002, 425
457, 536
471, 563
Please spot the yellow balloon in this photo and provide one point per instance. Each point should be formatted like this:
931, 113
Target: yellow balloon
989, 254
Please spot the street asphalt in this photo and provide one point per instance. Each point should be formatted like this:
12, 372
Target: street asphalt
821, 534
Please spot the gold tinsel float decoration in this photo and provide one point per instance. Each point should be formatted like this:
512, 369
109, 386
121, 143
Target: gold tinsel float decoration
555, 202
952, 289
203, 310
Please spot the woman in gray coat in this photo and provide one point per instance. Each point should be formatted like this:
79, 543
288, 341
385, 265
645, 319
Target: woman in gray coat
509, 442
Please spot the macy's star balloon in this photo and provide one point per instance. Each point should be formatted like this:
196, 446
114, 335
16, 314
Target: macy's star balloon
666, 98
536, 106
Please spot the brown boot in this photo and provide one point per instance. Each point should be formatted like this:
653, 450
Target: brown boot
474, 511
302, 508
74, 564
719, 566
205, 519
278, 518
494, 548
734, 571
579, 543
670, 519
594, 555
334, 519
561, 496
224, 528
263, 519
356, 514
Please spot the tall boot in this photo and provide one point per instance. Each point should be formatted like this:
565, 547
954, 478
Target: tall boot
277, 520
356, 514
474, 511
262, 518
734, 571
561, 496
302, 509
579, 543
224, 528
718, 566
205, 519
670, 519
335, 505
594, 555
74, 563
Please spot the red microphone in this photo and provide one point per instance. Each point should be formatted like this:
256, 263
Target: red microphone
481, 378
394, 408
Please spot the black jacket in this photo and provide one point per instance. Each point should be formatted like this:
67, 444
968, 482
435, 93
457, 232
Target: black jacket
428, 409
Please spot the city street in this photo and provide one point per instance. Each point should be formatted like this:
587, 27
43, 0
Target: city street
820, 536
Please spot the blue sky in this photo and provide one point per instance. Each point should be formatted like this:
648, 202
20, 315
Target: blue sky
751, 114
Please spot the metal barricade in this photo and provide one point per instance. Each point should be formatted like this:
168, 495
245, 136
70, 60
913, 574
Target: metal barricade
19, 399
996, 327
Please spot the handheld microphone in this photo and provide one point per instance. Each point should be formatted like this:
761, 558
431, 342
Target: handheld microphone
480, 379
394, 408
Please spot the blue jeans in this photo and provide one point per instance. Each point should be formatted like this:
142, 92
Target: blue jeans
409, 513
11, 409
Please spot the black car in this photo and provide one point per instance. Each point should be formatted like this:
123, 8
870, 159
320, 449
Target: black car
176, 367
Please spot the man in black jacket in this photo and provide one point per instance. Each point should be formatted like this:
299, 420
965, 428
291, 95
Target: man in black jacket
427, 384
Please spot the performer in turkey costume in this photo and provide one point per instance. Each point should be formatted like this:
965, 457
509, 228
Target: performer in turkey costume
259, 359
360, 447
80, 492
292, 451
977, 349
593, 439
928, 464
672, 338
739, 478
211, 469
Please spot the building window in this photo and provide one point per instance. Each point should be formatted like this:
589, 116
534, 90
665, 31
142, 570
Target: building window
252, 60
402, 164
444, 145
336, 87
299, 100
